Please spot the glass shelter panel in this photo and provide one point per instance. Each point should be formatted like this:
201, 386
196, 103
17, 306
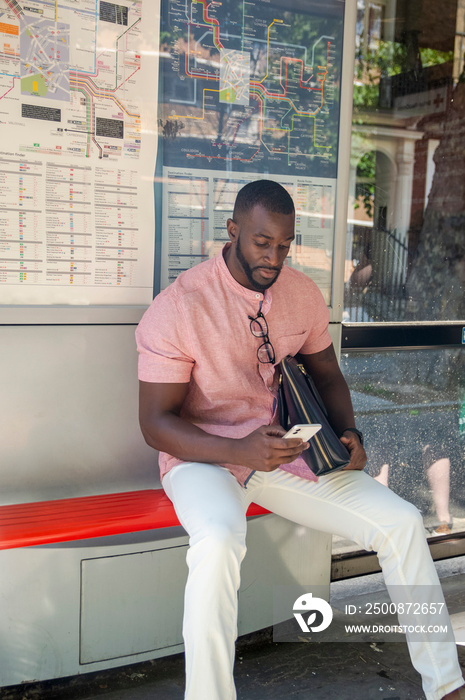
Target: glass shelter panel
249, 90
410, 407
406, 220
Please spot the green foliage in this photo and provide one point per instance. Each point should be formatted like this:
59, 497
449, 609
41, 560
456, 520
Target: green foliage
365, 186
371, 65
165, 37
389, 58
431, 57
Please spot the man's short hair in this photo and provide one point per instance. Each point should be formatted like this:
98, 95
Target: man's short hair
269, 194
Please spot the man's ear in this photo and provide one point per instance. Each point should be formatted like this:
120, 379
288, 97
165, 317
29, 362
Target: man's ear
232, 229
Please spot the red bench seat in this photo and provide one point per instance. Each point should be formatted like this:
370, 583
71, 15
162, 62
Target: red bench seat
64, 520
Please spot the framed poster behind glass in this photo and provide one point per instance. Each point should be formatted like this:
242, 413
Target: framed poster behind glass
249, 90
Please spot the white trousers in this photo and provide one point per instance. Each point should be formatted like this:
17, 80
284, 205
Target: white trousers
212, 506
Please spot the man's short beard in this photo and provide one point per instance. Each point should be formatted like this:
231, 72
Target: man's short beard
249, 270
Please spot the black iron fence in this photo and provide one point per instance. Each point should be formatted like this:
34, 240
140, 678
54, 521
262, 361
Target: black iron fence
376, 288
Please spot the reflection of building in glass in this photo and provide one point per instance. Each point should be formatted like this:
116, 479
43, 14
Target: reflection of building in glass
408, 63
406, 245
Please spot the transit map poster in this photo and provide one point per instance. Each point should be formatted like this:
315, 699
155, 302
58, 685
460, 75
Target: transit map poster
251, 89
78, 142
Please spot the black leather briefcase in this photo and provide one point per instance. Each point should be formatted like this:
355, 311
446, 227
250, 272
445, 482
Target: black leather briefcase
299, 402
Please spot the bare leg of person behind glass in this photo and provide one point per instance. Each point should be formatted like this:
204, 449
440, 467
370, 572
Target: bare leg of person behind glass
438, 475
383, 476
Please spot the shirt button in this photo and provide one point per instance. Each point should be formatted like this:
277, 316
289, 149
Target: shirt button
258, 296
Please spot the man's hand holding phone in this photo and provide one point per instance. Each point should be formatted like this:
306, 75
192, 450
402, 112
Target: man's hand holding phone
305, 431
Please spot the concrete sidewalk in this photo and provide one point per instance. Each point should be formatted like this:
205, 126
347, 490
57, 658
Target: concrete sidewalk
266, 670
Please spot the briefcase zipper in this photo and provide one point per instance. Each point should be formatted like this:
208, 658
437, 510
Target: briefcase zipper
318, 442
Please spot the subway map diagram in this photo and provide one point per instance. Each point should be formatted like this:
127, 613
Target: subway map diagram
71, 71
78, 148
252, 85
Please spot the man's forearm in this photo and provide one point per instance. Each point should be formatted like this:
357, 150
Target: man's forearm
336, 398
186, 441
263, 449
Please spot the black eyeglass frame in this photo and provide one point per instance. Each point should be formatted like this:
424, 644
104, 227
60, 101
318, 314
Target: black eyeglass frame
260, 319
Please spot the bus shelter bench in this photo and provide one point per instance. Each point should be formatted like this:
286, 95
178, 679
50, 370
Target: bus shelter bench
77, 600
85, 517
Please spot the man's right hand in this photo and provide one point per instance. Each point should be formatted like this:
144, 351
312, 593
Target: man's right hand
265, 450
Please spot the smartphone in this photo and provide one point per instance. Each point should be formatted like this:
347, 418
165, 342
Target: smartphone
304, 431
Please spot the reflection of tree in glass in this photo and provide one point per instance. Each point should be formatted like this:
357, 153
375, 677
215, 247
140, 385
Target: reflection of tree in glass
371, 65
303, 32
384, 61
437, 283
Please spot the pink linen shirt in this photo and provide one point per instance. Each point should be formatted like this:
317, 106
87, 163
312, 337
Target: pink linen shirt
197, 330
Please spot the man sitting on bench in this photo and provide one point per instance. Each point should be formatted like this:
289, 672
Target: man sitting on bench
209, 345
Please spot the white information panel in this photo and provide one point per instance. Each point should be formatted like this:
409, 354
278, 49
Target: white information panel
78, 141
196, 208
